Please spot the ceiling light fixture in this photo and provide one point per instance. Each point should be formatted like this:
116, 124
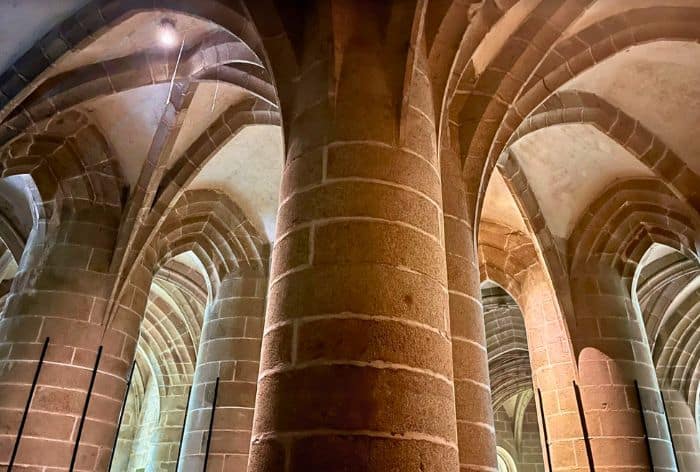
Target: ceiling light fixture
167, 34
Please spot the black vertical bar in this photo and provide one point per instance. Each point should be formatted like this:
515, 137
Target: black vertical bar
644, 424
670, 434
26, 407
584, 427
544, 430
85, 409
182, 433
211, 423
121, 415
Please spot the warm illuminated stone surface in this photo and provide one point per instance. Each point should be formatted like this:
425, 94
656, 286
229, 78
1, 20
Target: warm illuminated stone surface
397, 232
229, 350
61, 292
356, 367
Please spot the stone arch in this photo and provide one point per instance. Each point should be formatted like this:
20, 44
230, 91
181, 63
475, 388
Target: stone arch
573, 106
168, 344
603, 40
506, 340
174, 183
659, 284
219, 59
668, 295
505, 460
21, 210
31, 93
250, 112
623, 223
605, 250
207, 223
677, 351
573, 54
493, 17
166, 328
480, 110
70, 163
97, 17
491, 105
234, 257
211, 228
21, 204
508, 257
144, 409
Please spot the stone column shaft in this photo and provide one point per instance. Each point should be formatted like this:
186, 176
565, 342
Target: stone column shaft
356, 367
475, 423
229, 349
61, 292
553, 373
613, 352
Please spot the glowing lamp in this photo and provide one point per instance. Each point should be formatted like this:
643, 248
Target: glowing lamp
168, 34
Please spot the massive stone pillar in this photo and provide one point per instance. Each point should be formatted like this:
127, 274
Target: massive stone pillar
356, 368
613, 353
230, 350
553, 373
475, 423
510, 259
61, 292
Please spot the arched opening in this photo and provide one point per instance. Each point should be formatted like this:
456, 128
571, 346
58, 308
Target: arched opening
156, 404
667, 295
515, 413
547, 144
17, 217
505, 461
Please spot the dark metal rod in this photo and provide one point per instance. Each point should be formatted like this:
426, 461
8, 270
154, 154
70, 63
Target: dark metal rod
121, 415
644, 424
26, 407
211, 423
668, 423
584, 427
182, 433
85, 409
544, 430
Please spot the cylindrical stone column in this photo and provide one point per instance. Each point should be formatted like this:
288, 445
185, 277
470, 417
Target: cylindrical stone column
61, 291
613, 352
475, 422
553, 373
229, 349
356, 368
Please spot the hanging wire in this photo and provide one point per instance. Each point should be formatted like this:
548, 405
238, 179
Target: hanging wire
177, 64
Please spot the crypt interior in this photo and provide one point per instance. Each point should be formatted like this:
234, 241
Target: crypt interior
350, 235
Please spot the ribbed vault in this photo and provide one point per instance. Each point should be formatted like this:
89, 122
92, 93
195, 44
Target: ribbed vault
509, 360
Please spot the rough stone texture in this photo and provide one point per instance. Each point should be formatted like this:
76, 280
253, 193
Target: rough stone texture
473, 389
229, 350
521, 440
358, 251
377, 353
613, 353
61, 292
